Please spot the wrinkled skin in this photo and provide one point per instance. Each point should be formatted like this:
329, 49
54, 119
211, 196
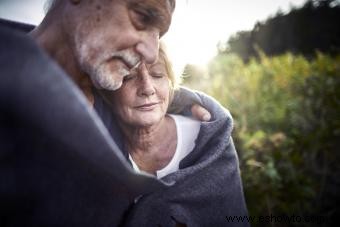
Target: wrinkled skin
98, 42
111, 37
144, 98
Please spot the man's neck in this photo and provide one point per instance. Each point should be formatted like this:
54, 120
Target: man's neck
52, 40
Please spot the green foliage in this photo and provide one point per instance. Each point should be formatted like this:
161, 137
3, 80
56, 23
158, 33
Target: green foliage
287, 127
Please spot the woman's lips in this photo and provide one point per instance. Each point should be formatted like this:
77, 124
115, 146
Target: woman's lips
147, 106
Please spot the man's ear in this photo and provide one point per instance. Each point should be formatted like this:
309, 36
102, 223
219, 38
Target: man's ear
75, 1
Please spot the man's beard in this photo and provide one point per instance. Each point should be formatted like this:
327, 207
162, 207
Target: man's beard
103, 78
108, 71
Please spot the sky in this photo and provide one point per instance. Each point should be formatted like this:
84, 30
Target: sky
197, 25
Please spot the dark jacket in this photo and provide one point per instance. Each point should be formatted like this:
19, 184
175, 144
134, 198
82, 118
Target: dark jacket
58, 164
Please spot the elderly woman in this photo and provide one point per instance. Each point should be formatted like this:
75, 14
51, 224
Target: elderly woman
155, 141
197, 160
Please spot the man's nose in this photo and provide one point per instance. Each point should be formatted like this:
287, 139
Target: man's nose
148, 47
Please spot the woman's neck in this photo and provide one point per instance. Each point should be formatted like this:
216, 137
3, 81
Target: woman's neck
152, 148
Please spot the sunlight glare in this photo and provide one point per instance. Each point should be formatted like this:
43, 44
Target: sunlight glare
198, 25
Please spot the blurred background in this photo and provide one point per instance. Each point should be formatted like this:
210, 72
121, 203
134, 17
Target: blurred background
276, 66
281, 82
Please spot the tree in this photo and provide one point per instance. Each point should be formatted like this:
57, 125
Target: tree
313, 27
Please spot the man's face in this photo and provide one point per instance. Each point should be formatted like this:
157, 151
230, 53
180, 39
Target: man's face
111, 37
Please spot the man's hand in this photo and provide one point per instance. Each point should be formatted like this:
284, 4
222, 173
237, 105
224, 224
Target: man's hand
200, 113
185, 102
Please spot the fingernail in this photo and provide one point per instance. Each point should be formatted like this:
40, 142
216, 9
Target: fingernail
206, 117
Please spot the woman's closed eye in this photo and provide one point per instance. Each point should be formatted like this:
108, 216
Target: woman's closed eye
157, 74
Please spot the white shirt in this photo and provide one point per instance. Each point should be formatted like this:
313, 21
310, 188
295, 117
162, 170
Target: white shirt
187, 132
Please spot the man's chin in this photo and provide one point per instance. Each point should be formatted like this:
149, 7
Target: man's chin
110, 87
109, 84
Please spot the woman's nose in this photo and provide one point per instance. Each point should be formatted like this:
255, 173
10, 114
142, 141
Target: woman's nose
145, 84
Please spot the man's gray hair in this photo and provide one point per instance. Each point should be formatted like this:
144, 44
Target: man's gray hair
50, 4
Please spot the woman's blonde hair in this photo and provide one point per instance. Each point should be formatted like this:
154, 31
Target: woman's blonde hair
168, 68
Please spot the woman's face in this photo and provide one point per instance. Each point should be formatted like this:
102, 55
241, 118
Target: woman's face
143, 98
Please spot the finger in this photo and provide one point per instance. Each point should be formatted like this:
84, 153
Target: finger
200, 113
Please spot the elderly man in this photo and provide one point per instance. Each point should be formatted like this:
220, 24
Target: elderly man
59, 166
102, 40
58, 163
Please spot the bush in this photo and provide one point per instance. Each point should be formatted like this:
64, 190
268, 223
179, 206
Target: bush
287, 128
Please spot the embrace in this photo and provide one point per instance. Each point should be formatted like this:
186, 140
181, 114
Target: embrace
96, 132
